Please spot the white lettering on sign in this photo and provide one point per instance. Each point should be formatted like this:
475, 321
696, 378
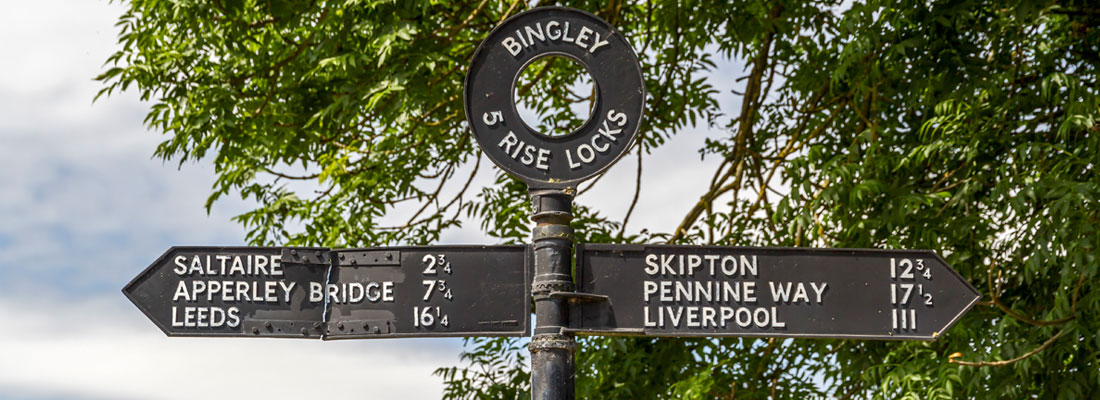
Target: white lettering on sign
525, 153
588, 152
608, 131
719, 291
795, 292
216, 264
554, 31
234, 291
424, 317
213, 287
907, 273
492, 118
352, 292
205, 317
696, 291
689, 264
708, 317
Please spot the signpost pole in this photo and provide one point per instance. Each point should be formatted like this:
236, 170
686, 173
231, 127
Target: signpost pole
553, 165
552, 349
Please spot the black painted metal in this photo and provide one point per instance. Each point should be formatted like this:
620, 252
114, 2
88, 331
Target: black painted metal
155, 290
551, 347
485, 292
490, 87
861, 300
310, 256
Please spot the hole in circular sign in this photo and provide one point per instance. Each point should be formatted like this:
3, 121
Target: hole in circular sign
554, 95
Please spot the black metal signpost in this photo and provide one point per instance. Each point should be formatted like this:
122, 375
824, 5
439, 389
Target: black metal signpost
554, 159
552, 165
316, 293
649, 290
230, 291
762, 291
429, 291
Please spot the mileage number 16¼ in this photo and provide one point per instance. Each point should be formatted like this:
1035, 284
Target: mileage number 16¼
424, 317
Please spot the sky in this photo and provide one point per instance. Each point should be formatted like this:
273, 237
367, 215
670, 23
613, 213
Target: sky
84, 208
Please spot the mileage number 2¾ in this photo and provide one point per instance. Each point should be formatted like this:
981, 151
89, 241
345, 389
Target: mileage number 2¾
435, 266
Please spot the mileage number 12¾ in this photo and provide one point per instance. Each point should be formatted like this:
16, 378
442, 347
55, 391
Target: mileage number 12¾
905, 290
434, 266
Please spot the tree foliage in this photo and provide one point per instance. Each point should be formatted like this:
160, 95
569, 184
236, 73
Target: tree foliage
968, 127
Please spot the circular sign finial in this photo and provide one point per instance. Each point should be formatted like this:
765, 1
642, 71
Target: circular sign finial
540, 159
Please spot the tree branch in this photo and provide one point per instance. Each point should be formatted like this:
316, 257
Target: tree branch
747, 119
637, 191
952, 358
292, 177
995, 298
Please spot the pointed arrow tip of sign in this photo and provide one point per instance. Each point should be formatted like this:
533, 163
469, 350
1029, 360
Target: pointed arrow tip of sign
132, 288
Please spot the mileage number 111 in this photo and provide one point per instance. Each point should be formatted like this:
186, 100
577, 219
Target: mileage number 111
902, 293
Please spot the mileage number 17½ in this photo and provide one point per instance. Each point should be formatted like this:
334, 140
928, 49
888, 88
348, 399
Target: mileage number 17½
906, 273
427, 316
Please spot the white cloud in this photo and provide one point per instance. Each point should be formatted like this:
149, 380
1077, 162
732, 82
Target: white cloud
102, 348
82, 203
83, 209
673, 176
51, 41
